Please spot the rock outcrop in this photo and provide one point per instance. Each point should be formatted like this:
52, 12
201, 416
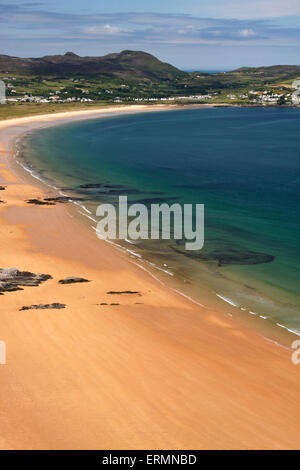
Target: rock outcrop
120, 292
39, 202
72, 280
55, 305
11, 279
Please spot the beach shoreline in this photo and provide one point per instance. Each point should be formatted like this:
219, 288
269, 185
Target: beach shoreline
65, 360
271, 330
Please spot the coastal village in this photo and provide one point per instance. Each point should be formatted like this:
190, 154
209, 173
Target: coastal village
81, 91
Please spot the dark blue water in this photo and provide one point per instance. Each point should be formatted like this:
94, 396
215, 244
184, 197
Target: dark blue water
242, 163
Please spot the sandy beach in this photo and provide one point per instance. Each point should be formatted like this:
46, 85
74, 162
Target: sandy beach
152, 371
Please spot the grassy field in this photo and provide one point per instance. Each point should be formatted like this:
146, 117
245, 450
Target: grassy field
9, 111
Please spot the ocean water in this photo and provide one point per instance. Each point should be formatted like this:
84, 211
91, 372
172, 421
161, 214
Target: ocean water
243, 164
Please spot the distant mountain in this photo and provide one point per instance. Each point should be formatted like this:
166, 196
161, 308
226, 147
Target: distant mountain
126, 64
243, 77
272, 72
141, 69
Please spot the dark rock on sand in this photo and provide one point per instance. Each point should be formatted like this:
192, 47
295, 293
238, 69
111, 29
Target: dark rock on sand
2, 202
2, 188
49, 201
104, 304
39, 202
61, 199
72, 280
11, 279
55, 305
114, 292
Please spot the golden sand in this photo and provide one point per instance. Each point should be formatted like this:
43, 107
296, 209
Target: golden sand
155, 371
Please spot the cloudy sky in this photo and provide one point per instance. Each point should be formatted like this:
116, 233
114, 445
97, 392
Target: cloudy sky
191, 34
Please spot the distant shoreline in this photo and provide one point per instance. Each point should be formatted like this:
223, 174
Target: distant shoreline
109, 108
34, 123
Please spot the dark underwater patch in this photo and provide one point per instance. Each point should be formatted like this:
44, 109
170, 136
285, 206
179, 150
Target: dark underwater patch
155, 200
229, 257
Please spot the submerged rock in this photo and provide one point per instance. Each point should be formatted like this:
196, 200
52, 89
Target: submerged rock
55, 305
156, 200
72, 280
230, 257
118, 192
91, 186
11, 279
99, 185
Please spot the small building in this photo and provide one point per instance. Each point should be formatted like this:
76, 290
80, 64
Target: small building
2, 92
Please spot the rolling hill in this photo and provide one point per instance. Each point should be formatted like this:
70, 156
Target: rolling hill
130, 65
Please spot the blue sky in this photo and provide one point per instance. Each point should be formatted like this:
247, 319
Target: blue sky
191, 34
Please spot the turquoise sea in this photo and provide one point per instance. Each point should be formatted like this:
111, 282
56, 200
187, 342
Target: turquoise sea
243, 164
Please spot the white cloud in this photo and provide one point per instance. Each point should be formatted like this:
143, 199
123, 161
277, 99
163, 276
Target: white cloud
246, 33
106, 29
135, 30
